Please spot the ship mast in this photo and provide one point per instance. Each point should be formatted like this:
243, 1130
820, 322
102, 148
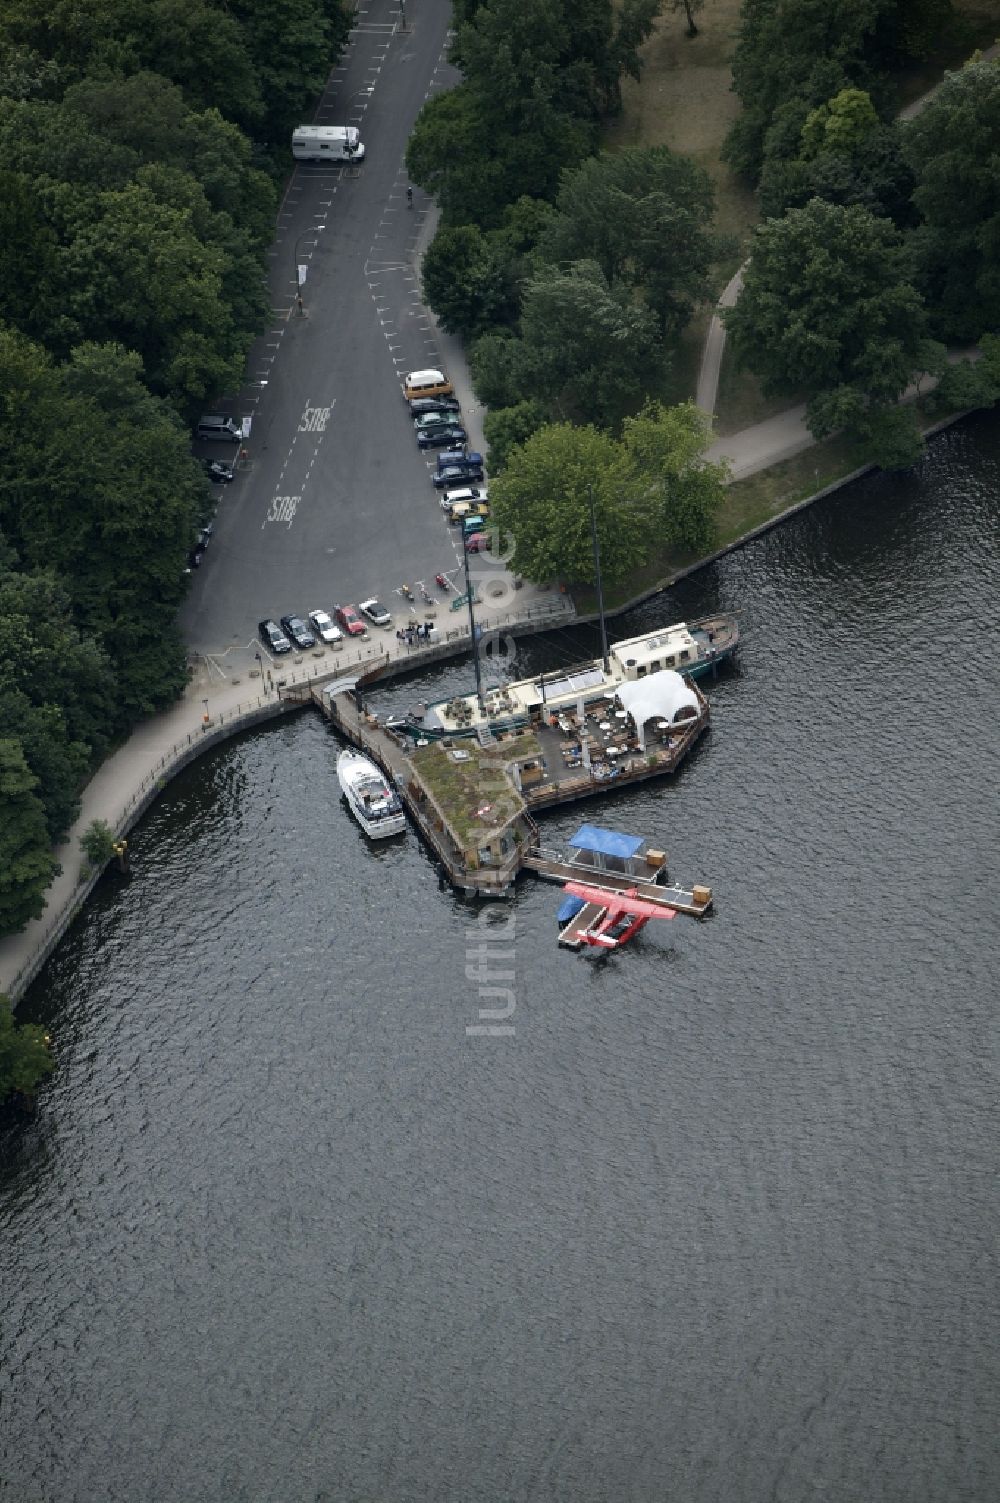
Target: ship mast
597, 576
469, 593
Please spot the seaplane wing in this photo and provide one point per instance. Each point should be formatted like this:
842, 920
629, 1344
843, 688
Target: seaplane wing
610, 919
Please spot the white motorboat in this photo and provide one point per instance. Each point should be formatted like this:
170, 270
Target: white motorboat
374, 802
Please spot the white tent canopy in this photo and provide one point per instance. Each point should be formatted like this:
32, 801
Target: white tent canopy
660, 696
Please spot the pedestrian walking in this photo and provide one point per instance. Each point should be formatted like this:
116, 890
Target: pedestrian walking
409, 197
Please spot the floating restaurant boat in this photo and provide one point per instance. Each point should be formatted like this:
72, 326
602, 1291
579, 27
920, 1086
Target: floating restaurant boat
691, 650
373, 801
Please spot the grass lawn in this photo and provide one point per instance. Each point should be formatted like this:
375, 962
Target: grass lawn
684, 100
475, 796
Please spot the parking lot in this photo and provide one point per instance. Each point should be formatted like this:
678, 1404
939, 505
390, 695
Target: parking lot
331, 500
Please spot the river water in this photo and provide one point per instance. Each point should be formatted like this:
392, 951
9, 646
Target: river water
718, 1221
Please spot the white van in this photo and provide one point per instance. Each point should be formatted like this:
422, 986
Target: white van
327, 143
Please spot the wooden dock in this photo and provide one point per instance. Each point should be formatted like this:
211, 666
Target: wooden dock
572, 935
364, 732
683, 899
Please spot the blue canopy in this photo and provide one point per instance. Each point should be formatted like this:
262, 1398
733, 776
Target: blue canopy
606, 842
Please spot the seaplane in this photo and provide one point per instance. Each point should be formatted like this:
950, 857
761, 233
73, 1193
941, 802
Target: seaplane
603, 919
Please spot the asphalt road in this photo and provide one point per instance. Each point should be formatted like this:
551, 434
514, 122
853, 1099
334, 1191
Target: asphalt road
334, 500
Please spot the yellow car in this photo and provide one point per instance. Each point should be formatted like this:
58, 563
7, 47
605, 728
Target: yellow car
459, 510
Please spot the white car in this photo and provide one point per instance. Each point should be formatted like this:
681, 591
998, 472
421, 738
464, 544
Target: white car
464, 493
322, 624
375, 611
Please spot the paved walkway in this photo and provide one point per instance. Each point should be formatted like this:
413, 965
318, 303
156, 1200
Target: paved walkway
160, 745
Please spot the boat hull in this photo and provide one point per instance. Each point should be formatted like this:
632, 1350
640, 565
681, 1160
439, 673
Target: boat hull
370, 797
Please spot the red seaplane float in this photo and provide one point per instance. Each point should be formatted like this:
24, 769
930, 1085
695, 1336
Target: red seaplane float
607, 920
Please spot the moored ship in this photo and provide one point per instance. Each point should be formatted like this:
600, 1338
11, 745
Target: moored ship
692, 650
373, 801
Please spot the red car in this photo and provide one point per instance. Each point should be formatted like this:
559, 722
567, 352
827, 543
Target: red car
347, 617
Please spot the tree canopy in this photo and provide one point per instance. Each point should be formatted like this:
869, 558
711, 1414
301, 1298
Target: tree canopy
586, 347
537, 79
828, 300
953, 146
651, 490
643, 215
25, 1058
135, 211
27, 865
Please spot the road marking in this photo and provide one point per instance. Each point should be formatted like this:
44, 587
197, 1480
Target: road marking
282, 509
314, 419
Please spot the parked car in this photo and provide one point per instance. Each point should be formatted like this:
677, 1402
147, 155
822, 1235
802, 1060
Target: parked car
218, 429
434, 418
217, 472
465, 493
462, 511
421, 405
375, 612
456, 467
322, 624
348, 618
442, 433
479, 542
426, 383
273, 637
295, 628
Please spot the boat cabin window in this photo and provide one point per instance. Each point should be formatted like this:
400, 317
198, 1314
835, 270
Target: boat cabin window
640, 672
654, 667
669, 662
685, 655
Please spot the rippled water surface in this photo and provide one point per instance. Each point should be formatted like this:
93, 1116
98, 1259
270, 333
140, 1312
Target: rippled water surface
719, 1222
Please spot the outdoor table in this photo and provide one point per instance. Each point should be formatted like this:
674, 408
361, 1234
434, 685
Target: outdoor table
620, 714
605, 725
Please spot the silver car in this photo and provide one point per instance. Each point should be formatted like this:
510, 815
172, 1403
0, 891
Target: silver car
323, 625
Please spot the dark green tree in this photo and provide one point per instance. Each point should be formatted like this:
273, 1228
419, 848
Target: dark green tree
965, 386
25, 1058
828, 301
667, 447
953, 146
98, 843
292, 44
874, 175
791, 56
542, 500
644, 215
506, 427
27, 865
464, 282
97, 484
494, 364
587, 349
